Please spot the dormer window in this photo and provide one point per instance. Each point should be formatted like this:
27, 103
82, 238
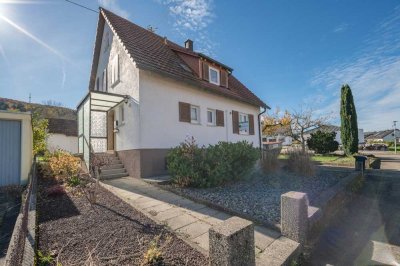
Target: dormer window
214, 75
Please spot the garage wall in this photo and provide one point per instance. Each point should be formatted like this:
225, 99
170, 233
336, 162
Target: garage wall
15, 122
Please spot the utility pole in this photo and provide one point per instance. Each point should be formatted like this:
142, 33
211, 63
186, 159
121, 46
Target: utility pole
394, 135
30, 97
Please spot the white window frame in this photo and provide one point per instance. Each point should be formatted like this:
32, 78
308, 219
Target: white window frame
213, 117
218, 75
115, 73
197, 120
242, 131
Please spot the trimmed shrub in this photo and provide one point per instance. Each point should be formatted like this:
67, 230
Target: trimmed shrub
323, 142
190, 165
300, 162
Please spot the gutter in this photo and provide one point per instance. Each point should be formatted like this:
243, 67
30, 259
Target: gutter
259, 125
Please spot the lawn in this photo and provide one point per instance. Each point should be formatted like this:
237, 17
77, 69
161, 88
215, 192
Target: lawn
328, 159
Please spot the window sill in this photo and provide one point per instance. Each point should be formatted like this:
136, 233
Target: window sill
195, 123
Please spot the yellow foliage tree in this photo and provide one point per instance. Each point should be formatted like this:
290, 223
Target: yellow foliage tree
277, 122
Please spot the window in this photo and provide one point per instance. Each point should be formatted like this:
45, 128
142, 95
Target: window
104, 80
194, 114
211, 117
98, 84
214, 75
243, 124
115, 71
122, 113
106, 41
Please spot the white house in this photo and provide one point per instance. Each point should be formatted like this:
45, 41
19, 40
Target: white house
336, 129
63, 134
148, 94
383, 136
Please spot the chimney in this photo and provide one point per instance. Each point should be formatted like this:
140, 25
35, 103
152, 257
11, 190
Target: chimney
189, 44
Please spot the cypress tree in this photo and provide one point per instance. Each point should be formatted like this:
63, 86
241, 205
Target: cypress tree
348, 116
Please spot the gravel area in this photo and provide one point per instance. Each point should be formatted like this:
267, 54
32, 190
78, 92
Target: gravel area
108, 233
10, 204
258, 197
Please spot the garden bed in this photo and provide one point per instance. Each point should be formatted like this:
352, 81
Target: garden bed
258, 198
109, 232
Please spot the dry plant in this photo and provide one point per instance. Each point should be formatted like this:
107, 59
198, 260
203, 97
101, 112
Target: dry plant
269, 160
300, 162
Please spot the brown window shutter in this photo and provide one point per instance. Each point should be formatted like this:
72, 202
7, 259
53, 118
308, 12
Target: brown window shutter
235, 122
220, 118
205, 71
224, 79
251, 124
184, 112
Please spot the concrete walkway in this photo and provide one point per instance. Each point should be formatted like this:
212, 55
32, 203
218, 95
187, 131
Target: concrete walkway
191, 221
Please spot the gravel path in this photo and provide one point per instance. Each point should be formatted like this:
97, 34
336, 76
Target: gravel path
109, 233
259, 196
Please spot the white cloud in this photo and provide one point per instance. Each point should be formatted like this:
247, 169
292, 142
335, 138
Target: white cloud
192, 18
373, 73
341, 28
114, 6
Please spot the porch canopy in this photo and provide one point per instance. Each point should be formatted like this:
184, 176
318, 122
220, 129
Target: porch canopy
92, 121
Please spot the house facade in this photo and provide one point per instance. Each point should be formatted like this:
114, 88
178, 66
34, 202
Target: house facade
148, 94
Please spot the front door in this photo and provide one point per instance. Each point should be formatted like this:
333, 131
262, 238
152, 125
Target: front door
110, 130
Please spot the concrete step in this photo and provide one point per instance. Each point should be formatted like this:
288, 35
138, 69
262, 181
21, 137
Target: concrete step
106, 177
112, 166
106, 172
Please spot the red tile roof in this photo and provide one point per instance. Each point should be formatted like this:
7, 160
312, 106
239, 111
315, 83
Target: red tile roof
155, 53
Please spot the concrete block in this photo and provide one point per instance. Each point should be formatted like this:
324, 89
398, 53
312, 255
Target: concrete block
294, 216
231, 243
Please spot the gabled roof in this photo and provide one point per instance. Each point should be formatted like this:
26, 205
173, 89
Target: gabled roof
324, 128
380, 134
155, 53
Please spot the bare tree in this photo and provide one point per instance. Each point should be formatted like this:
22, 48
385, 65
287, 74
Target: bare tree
302, 120
53, 103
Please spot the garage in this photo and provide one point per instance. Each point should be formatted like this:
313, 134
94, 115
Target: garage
16, 148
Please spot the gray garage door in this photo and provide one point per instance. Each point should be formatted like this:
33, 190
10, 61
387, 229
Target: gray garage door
10, 152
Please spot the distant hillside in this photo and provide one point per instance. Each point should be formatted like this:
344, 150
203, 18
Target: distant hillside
45, 111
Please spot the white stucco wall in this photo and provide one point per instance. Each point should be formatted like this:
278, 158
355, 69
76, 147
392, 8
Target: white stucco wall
128, 134
61, 141
159, 114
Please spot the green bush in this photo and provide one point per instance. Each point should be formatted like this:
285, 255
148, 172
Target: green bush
323, 142
190, 165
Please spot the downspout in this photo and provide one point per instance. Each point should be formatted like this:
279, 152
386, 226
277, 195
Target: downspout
259, 126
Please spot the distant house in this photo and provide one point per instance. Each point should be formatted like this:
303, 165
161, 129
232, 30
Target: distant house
63, 134
382, 136
336, 129
281, 137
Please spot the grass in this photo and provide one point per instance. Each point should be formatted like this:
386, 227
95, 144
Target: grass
328, 159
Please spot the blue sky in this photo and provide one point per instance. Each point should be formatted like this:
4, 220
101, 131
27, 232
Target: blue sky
290, 53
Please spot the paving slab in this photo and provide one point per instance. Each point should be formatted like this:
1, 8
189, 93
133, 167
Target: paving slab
180, 221
191, 220
195, 229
